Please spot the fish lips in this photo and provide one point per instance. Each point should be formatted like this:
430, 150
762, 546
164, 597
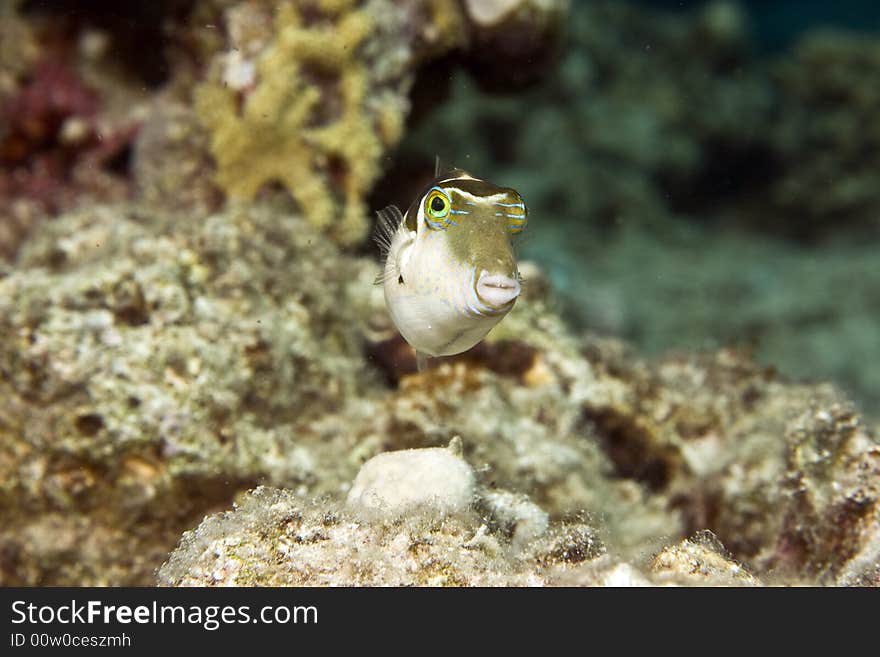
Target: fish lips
497, 291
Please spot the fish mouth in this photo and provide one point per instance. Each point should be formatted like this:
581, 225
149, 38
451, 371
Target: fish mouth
497, 290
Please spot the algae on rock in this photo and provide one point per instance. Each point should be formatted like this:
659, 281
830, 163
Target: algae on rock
151, 367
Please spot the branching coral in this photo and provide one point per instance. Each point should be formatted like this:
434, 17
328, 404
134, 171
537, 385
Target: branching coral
308, 121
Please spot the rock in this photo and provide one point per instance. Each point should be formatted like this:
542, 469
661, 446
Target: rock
513, 42
515, 515
152, 367
435, 481
700, 561
274, 538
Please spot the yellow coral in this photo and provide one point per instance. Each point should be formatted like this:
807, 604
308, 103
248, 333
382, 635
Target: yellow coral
307, 123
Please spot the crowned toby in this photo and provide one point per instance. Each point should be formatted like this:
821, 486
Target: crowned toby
450, 273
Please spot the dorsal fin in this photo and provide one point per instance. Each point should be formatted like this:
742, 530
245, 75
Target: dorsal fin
454, 172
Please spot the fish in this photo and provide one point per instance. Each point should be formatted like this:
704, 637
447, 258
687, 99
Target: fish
449, 269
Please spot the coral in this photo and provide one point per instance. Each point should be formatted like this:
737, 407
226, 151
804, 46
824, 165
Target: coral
161, 356
274, 538
317, 100
718, 438
154, 366
317, 118
831, 509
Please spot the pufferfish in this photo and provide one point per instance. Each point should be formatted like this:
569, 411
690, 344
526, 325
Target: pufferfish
450, 273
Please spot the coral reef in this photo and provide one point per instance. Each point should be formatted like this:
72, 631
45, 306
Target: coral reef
153, 367
277, 539
185, 103
164, 355
784, 475
122, 421
274, 538
802, 508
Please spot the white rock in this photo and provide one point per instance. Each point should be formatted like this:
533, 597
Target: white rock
394, 484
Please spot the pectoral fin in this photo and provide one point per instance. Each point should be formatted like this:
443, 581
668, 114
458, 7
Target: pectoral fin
389, 220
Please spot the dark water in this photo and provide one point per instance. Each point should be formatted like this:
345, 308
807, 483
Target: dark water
778, 22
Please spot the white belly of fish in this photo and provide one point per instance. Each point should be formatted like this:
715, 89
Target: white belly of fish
434, 306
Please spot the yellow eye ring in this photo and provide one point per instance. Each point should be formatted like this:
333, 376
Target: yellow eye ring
437, 205
437, 208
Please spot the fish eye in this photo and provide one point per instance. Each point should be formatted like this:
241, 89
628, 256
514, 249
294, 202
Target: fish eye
437, 207
437, 204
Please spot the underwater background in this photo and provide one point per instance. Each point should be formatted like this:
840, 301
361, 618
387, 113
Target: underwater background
195, 363
709, 173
